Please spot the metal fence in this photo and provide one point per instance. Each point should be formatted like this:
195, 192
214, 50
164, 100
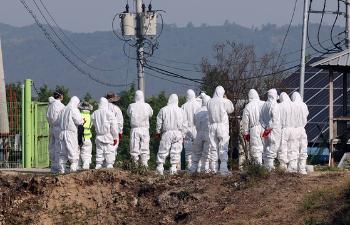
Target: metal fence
10, 143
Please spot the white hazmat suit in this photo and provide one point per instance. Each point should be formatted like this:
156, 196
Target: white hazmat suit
251, 126
301, 121
53, 112
69, 119
171, 123
190, 108
106, 134
270, 121
139, 113
200, 151
288, 154
218, 109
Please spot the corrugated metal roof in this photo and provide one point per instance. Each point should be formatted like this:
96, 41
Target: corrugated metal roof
338, 60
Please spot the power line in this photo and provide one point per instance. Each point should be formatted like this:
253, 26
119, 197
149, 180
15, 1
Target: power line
53, 42
171, 81
289, 26
63, 42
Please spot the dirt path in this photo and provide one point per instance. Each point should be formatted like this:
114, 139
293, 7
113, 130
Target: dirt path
118, 197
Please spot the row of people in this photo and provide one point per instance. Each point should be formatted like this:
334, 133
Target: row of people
176, 127
276, 130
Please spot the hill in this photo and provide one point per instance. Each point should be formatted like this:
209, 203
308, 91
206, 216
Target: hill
121, 197
28, 54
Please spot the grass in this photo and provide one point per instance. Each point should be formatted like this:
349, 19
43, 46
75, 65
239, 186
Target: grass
327, 206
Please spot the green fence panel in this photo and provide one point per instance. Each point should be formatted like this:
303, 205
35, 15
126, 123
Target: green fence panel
41, 136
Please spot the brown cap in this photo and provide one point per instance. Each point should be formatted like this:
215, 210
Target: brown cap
112, 97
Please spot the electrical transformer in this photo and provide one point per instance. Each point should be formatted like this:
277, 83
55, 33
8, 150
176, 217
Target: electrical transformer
149, 23
128, 24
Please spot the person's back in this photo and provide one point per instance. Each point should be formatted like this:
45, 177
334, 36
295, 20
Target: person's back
190, 108
251, 126
106, 134
86, 145
69, 119
270, 121
302, 113
218, 110
171, 124
140, 114
53, 112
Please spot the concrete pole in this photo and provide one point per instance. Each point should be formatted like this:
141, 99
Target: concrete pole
139, 51
28, 132
347, 24
4, 119
303, 48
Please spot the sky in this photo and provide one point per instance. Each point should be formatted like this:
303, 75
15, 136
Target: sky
96, 15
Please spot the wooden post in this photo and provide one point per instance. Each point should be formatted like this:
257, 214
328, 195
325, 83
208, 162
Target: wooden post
345, 94
331, 125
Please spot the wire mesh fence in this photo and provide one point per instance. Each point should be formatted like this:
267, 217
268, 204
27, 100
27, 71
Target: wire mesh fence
10, 139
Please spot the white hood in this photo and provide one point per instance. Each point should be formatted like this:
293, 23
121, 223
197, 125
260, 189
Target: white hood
103, 104
219, 92
272, 95
74, 102
253, 95
284, 98
173, 100
296, 97
190, 95
139, 97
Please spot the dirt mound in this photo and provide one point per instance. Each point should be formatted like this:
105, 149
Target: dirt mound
119, 197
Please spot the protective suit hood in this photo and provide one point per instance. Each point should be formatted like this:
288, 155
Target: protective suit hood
253, 95
173, 100
190, 95
284, 97
51, 100
103, 104
296, 97
74, 102
219, 92
272, 95
205, 100
139, 97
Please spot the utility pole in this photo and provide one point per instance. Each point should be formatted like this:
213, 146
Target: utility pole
303, 48
139, 41
139, 26
347, 24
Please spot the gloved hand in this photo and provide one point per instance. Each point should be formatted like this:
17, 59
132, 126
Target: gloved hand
246, 136
120, 136
158, 136
266, 133
115, 142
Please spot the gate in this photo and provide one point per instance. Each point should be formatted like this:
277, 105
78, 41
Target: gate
41, 135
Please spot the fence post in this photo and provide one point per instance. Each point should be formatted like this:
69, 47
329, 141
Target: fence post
28, 133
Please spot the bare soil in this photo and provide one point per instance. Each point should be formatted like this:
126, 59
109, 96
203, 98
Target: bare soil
120, 197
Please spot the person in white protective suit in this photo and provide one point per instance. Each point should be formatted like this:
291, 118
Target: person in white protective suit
140, 114
190, 108
302, 113
69, 120
54, 109
251, 126
171, 127
270, 121
106, 135
112, 99
288, 152
86, 145
200, 151
218, 110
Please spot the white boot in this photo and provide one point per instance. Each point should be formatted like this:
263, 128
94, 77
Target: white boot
269, 164
283, 166
160, 169
213, 167
193, 168
110, 166
302, 167
223, 169
98, 166
173, 170
293, 166
73, 167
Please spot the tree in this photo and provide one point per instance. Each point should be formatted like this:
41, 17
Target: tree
238, 69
